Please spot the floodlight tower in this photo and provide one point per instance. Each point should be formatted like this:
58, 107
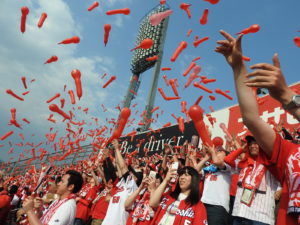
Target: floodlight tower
139, 64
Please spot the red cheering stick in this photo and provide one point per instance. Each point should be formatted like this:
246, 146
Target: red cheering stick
167, 125
196, 59
172, 98
145, 44
6, 135
202, 87
25, 120
10, 92
154, 109
57, 95
153, 58
62, 103
183, 106
166, 80
218, 91
213, 2
162, 2
225, 130
297, 41
180, 122
206, 81
111, 79
124, 11
203, 19
172, 83
52, 59
196, 114
165, 68
199, 41
193, 76
252, 29
76, 74
189, 32
186, 8
54, 108
245, 58
24, 11
107, 28
42, 20
124, 115
92, 6
155, 19
188, 70
213, 98
25, 93
72, 96
165, 97
179, 49
198, 100
72, 40
24, 82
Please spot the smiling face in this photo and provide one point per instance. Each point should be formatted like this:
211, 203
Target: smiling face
253, 148
185, 181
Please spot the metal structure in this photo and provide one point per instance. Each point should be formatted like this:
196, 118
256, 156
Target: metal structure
139, 64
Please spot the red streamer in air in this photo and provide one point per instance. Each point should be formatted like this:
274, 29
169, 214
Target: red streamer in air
252, 29
193, 76
72, 97
76, 74
225, 130
165, 68
179, 49
124, 116
183, 106
218, 91
145, 44
54, 108
57, 95
198, 42
62, 103
42, 20
24, 82
180, 121
202, 87
25, 93
153, 58
206, 81
124, 11
72, 40
196, 114
188, 70
203, 19
111, 79
245, 58
213, 2
166, 80
24, 11
93, 6
165, 97
198, 100
186, 8
196, 59
172, 83
10, 92
107, 28
52, 59
6, 135
213, 98
154, 109
25, 120
156, 19
167, 125
297, 41
189, 32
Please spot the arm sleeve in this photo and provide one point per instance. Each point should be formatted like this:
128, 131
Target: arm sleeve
65, 214
230, 159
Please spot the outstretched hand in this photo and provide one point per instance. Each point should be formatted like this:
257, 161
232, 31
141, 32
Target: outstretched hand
231, 48
268, 76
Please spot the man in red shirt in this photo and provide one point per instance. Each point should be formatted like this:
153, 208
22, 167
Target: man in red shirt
5, 199
284, 156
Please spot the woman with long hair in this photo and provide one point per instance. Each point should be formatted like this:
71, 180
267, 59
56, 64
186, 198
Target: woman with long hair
181, 206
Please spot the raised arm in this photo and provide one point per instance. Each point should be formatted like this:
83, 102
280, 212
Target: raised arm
119, 158
263, 133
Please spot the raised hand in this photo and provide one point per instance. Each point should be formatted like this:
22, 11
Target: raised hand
231, 48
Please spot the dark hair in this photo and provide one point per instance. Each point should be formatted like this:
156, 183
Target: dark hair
57, 180
194, 196
75, 179
13, 189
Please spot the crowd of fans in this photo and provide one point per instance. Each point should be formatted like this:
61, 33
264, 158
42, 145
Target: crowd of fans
252, 180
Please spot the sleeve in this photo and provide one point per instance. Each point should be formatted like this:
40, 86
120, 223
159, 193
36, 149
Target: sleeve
230, 159
200, 215
65, 214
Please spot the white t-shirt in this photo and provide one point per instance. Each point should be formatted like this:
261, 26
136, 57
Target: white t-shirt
217, 187
116, 213
65, 214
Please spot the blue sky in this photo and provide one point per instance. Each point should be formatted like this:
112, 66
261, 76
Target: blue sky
24, 55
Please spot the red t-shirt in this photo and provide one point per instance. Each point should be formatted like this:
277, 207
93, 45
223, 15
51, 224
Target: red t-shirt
83, 205
4, 206
285, 165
